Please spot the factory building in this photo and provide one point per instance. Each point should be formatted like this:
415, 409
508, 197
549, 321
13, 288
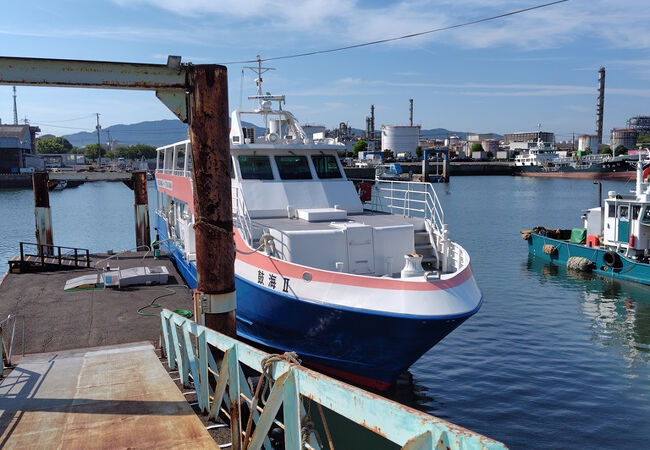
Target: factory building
527, 139
625, 137
639, 123
400, 138
18, 148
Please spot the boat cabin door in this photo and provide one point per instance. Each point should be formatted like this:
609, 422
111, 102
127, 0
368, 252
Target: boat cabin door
623, 223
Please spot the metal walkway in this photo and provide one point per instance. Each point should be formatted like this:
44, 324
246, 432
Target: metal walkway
49, 257
104, 397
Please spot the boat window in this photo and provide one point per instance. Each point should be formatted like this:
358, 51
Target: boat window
293, 167
646, 215
255, 167
622, 212
636, 209
326, 166
611, 212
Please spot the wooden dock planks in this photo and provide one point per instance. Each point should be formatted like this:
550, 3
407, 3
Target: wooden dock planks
105, 397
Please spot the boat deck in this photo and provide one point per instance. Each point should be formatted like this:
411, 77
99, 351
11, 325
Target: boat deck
373, 219
105, 397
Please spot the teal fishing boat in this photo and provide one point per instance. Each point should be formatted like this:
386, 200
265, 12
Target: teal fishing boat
615, 239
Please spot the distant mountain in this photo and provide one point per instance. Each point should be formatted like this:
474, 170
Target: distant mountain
156, 133
162, 132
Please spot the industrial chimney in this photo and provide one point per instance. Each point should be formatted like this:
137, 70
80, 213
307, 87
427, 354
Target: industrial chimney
600, 104
372, 121
411, 112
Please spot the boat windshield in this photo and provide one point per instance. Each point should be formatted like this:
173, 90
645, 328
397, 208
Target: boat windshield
293, 167
326, 166
255, 167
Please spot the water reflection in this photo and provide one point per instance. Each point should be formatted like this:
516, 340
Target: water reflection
619, 311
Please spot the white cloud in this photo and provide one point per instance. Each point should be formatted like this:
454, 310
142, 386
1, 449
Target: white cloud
339, 22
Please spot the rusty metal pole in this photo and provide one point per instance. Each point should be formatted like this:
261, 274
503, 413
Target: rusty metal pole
42, 212
141, 207
215, 254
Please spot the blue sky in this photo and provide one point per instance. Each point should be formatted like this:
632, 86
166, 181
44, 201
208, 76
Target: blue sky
502, 76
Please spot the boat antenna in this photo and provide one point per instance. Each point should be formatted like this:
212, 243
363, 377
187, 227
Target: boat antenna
241, 88
259, 70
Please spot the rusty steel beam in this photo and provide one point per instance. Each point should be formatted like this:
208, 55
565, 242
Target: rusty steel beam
42, 212
90, 74
141, 209
168, 80
215, 247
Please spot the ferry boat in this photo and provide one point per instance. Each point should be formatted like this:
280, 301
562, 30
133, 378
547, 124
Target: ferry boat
615, 240
543, 161
359, 291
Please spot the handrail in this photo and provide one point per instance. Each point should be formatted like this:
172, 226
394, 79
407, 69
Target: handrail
194, 350
54, 251
240, 213
7, 350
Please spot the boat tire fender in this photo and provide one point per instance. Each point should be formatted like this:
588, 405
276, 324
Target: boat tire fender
550, 249
612, 259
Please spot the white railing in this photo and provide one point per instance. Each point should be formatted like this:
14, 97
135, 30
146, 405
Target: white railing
417, 199
240, 214
409, 198
177, 172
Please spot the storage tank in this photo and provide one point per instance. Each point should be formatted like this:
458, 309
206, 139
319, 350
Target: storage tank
400, 138
588, 141
625, 137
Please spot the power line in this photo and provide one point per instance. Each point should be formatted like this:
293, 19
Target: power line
406, 36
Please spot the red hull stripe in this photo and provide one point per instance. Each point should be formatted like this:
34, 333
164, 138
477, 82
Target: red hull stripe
181, 188
289, 270
627, 175
359, 380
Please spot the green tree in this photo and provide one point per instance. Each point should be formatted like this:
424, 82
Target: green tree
606, 150
90, 151
476, 147
620, 150
140, 150
419, 152
359, 146
53, 145
110, 155
643, 139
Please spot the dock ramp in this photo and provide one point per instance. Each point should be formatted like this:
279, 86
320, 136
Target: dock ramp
104, 397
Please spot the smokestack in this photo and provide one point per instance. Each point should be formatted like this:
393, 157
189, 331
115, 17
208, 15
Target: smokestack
411, 111
600, 104
372, 121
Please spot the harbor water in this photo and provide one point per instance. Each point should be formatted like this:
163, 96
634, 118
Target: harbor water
552, 359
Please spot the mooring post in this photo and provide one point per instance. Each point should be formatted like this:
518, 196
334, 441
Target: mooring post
141, 207
214, 299
42, 213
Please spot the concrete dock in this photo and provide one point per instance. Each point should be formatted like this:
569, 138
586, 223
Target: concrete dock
105, 397
57, 320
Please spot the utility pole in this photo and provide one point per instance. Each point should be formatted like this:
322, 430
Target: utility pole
15, 108
99, 145
110, 143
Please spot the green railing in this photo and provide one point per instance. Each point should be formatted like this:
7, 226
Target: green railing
215, 364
